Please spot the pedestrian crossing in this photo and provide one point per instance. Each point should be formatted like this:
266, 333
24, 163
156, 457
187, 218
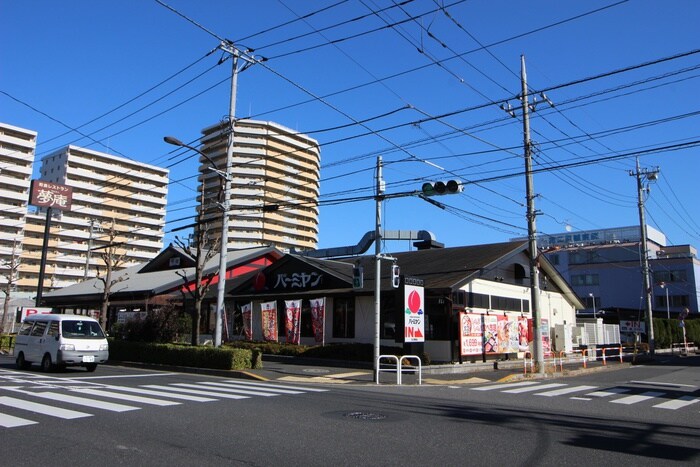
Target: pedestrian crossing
23, 405
658, 399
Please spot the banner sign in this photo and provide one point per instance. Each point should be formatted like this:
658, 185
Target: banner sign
50, 195
414, 314
492, 334
247, 312
292, 321
269, 321
318, 318
472, 334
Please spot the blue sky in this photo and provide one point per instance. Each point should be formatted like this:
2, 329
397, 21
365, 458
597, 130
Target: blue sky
419, 81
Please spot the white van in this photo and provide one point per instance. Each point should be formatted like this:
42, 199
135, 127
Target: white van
60, 341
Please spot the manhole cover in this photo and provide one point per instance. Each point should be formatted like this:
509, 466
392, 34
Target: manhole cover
316, 370
365, 415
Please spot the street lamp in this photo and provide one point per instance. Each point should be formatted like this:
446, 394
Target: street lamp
593, 298
224, 233
668, 306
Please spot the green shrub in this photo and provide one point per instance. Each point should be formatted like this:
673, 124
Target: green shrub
341, 351
184, 355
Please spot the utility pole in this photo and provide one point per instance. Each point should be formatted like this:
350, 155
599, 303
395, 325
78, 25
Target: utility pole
650, 176
378, 265
225, 203
531, 223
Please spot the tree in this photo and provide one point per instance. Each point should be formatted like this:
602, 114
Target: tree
198, 289
113, 261
9, 272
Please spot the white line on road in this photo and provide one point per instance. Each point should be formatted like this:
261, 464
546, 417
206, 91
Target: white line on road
220, 395
42, 408
535, 388
638, 398
661, 383
683, 401
125, 397
8, 421
270, 391
504, 385
608, 392
561, 392
95, 404
151, 392
269, 385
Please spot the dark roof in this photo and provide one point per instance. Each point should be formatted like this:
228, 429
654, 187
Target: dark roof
135, 284
441, 268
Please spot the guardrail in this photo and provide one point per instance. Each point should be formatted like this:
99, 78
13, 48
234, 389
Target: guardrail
399, 369
683, 347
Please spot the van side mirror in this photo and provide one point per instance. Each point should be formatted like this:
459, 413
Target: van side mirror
58, 336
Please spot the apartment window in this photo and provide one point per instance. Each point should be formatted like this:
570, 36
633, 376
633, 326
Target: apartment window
344, 317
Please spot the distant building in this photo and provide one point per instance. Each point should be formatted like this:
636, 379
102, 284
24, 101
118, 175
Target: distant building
17, 147
115, 200
604, 268
274, 188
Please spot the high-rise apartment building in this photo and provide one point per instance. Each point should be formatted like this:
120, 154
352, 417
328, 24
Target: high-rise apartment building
274, 186
17, 147
116, 201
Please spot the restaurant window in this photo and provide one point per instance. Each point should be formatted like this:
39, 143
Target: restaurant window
344, 318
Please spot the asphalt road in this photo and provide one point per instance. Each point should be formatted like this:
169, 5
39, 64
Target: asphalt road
644, 415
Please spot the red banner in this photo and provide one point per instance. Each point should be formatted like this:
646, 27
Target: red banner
292, 321
269, 321
247, 312
318, 318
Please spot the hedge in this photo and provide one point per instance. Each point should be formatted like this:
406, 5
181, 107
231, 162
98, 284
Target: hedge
220, 358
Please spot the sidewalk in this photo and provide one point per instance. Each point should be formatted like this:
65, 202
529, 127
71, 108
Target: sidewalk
314, 371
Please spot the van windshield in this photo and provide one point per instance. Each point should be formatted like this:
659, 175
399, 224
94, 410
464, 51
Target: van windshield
82, 330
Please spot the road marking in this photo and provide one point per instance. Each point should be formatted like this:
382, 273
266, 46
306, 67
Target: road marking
280, 386
247, 389
504, 385
561, 392
8, 421
125, 397
151, 392
536, 388
220, 395
228, 389
638, 398
608, 392
139, 375
683, 401
95, 404
574, 398
42, 408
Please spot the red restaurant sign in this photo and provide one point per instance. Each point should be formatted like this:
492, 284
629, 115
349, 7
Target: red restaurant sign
50, 195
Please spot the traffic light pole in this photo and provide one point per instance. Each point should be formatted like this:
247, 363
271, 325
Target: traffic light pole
378, 265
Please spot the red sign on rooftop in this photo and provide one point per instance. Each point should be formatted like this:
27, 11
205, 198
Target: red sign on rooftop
50, 195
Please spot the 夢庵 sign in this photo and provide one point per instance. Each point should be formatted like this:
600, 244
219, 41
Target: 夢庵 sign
50, 195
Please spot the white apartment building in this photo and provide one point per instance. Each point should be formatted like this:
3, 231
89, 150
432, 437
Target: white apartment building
116, 201
274, 186
17, 148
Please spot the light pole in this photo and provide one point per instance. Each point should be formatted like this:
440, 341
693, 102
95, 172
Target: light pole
593, 298
224, 227
668, 306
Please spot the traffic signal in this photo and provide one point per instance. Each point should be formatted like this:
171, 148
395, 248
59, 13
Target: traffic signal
449, 187
358, 277
395, 276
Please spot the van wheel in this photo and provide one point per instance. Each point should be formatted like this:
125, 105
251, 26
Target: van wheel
47, 364
91, 367
22, 364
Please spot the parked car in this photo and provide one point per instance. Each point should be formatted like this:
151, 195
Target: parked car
57, 341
